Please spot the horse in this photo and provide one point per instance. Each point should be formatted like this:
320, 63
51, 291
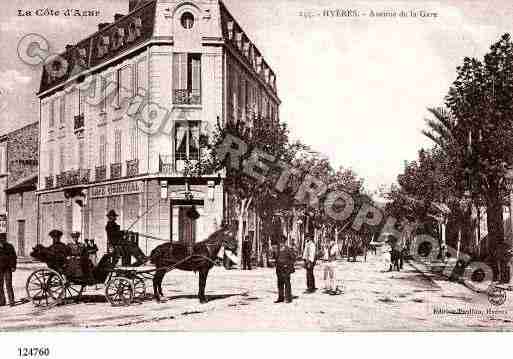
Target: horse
59, 263
201, 260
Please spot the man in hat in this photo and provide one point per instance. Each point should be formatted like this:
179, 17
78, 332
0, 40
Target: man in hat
59, 250
121, 247
285, 259
309, 258
7, 266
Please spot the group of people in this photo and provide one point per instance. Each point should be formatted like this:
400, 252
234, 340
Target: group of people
285, 266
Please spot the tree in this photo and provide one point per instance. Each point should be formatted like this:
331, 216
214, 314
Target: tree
481, 101
243, 191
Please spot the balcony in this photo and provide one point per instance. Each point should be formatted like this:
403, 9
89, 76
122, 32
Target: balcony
60, 180
85, 176
132, 168
100, 173
48, 182
115, 170
187, 97
72, 178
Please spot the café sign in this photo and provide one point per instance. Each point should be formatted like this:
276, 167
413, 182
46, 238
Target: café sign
115, 189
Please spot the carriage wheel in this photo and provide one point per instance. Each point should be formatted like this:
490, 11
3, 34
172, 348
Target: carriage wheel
73, 291
139, 288
46, 288
119, 291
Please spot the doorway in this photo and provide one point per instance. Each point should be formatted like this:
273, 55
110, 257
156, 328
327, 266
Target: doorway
186, 219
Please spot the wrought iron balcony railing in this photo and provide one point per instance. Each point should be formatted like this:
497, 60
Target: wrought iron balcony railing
115, 170
186, 97
60, 180
49, 182
72, 178
100, 173
85, 176
166, 164
132, 168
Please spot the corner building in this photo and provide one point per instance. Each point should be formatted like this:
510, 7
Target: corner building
192, 59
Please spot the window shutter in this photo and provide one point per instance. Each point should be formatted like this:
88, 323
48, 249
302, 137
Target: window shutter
117, 146
180, 142
61, 159
103, 151
133, 143
63, 109
81, 154
196, 73
50, 161
180, 71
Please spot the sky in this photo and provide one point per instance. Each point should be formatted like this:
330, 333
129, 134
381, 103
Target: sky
354, 88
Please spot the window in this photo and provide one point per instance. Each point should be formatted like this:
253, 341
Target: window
187, 141
61, 159
103, 150
186, 79
81, 159
133, 143
63, 109
50, 161
3, 159
124, 84
117, 146
21, 200
187, 20
106, 92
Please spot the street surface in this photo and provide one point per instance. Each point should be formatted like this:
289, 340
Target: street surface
372, 299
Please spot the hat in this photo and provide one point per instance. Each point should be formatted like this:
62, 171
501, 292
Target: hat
308, 236
55, 233
3, 235
112, 213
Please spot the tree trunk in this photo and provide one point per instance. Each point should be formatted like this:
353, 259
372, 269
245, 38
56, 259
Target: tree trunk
494, 217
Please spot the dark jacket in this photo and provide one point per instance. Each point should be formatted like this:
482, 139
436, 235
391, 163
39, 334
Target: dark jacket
285, 260
60, 249
114, 234
8, 257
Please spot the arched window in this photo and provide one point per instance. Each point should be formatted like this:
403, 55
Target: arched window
187, 20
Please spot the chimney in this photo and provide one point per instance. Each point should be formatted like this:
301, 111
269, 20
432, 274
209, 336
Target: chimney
118, 17
102, 25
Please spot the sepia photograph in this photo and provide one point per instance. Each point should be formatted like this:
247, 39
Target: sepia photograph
255, 166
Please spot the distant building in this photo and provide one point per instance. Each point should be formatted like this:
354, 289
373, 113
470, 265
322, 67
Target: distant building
191, 59
18, 179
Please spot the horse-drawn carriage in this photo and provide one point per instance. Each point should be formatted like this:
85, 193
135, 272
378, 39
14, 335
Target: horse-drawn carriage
61, 281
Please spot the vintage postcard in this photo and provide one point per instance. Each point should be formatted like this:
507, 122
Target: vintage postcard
249, 165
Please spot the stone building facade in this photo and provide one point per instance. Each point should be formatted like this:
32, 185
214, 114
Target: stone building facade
19, 155
123, 114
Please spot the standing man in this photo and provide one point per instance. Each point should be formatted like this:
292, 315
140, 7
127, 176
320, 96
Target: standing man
8, 261
115, 237
309, 258
285, 259
246, 253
